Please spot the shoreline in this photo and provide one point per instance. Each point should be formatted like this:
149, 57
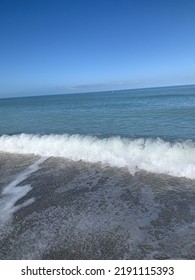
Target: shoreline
85, 211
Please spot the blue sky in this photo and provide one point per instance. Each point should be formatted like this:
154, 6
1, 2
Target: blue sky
64, 46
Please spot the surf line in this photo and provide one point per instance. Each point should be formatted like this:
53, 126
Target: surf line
14, 191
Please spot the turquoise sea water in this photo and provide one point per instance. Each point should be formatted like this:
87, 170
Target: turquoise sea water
156, 112
106, 175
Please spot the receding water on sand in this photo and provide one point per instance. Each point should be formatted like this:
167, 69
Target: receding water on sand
13, 192
80, 210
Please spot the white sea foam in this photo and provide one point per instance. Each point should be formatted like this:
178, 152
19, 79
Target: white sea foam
13, 192
158, 156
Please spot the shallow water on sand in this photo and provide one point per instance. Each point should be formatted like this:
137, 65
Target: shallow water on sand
76, 210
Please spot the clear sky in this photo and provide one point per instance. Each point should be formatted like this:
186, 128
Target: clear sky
61, 46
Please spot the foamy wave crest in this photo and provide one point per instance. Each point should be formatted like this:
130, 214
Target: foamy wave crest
158, 156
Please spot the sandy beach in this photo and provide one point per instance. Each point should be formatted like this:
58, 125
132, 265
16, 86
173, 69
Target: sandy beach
78, 210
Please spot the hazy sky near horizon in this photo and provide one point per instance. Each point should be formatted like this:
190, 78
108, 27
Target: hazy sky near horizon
64, 46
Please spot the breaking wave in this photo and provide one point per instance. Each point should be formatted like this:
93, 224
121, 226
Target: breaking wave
152, 155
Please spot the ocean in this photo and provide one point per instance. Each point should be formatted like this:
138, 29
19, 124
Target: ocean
108, 175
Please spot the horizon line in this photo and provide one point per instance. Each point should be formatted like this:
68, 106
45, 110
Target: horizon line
100, 91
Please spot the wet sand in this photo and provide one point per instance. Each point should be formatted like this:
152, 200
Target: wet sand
79, 210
